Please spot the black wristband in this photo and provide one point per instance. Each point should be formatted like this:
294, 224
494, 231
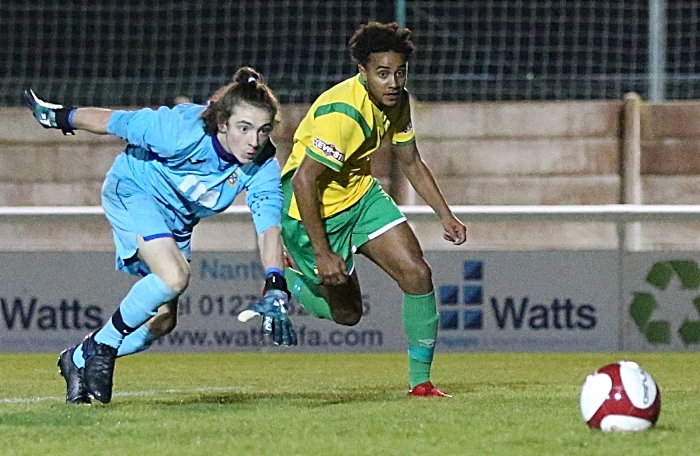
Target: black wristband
62, 119
276, 281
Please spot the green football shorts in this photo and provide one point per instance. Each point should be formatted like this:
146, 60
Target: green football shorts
374, 214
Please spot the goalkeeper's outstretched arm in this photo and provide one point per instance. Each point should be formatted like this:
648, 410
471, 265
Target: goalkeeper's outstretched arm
93, 120
67, 119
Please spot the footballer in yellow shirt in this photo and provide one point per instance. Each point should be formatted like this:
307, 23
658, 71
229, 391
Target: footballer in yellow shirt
334, 207
341, 130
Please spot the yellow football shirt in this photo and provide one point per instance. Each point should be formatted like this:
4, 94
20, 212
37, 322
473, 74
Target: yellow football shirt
341, 130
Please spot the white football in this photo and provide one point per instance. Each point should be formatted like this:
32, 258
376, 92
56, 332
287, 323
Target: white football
620, 397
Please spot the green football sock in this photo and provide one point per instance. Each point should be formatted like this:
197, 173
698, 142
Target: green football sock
309, 298
420, 321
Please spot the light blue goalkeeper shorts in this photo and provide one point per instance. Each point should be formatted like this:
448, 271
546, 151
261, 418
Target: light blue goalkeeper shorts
131, 211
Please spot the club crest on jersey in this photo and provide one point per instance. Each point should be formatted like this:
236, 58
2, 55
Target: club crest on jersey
409, 127
232, 180
328, 149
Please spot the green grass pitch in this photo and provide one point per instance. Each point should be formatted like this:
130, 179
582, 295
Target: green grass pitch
279, 403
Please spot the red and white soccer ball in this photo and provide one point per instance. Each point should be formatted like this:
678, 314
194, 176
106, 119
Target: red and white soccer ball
620, 397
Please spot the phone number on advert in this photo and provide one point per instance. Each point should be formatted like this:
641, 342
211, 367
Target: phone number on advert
225, 306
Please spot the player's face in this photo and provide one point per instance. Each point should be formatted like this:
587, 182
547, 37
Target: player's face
385, 75
246, 132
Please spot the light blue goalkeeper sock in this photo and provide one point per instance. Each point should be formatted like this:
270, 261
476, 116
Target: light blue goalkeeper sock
137, 341
138, 306
78, 356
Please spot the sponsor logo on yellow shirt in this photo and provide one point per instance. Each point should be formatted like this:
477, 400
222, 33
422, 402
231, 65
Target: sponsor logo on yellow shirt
328, 149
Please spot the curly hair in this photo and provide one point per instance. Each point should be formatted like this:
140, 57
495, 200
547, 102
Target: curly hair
248, 86
375, 37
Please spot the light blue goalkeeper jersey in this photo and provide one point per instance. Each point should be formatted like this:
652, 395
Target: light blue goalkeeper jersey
172, 174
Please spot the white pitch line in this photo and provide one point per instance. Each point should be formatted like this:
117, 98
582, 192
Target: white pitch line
28, 400
214, 389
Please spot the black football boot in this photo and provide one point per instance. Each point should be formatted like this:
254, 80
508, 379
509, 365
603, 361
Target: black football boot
99, 368
76, 393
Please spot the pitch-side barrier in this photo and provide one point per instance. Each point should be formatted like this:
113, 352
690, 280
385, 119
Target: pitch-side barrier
576, 213
624, 216
57, 282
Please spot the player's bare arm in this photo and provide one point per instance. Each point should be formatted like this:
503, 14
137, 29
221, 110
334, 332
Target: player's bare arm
271, 249
423, 181
93, 120
331, 267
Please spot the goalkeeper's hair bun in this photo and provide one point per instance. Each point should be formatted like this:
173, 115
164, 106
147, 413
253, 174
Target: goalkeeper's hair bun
247, 75
248, 86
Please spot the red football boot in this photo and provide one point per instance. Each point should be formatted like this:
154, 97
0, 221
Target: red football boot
426, 389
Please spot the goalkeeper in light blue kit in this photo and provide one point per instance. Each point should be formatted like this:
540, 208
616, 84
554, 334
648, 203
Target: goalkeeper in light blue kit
180, 165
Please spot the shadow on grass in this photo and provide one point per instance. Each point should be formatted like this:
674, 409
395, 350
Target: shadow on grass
466, 388
70, 415
325, 397
320, 398
307, 399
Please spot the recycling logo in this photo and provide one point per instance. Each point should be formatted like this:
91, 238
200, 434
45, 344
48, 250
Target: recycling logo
643, 304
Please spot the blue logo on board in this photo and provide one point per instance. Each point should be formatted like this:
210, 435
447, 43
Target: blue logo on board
461, 305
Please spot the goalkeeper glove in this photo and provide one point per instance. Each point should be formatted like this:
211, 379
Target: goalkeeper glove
273, 308
49, 115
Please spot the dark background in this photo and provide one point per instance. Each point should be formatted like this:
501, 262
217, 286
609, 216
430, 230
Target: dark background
129, 53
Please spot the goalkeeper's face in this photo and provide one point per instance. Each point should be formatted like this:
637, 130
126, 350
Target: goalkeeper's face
385, 75
246, 133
